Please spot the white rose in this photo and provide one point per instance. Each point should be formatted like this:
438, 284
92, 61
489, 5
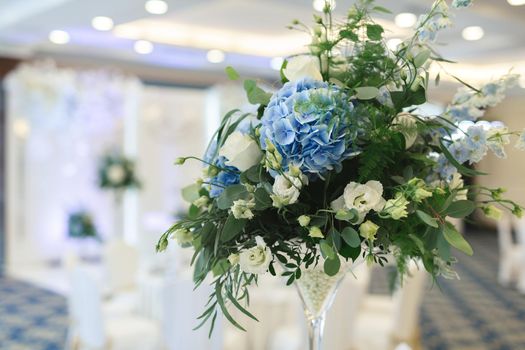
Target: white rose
362, 198
303, 66
241, 151
116, 174
257, 259
287, 188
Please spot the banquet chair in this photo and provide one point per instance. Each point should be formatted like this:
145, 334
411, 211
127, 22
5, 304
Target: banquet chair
121, 263
385, 321
511, 254
93, 331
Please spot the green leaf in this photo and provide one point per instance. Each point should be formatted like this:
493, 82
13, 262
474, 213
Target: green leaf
421, 58
255, 94
348, 34
191, 193
460, 209
332, 266
239, 306
220, 300
232, 228
381, 9
262, 199
327, 250
208, 232
456, 239
349, 215
232, 73
427, 219
220, 267
351, 237
366, 92
374, 32
231, 194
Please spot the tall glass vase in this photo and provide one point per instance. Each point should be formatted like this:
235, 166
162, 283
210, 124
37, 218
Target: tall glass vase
317, 291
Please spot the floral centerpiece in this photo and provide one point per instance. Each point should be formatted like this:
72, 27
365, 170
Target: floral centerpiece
117, 173
81, 225
339, 164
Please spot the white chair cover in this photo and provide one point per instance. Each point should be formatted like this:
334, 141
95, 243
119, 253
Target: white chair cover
181, 306
121, 262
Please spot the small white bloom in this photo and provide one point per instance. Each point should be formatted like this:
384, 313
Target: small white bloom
457, 183
287, 188
233, 259
256, 259
368, 230
303, 66
116, 174
304, 220
362, 198
315, 232
396, 208
241, 209
202, 201
241, 151
182, 236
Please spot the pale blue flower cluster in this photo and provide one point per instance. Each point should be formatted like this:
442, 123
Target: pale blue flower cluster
471, 143
430, 24
461, 3
310, 124
470, 105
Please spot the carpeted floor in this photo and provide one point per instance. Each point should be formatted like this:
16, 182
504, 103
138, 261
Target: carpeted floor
474, 313
31, 318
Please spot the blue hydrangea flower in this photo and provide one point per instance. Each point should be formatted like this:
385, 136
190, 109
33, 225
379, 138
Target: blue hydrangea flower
461, 3
225, 178
231, 175
310, 124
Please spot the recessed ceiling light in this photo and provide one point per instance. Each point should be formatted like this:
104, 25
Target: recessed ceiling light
473, 33
319, 5
516, 2
143, 47
156, 7
405, 20
59, 37
276, 63
393, 43
102, 23
215, 56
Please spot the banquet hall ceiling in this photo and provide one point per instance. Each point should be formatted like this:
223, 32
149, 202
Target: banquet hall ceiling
251, 32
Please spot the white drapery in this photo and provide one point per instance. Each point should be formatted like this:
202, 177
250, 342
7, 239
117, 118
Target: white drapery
62, 121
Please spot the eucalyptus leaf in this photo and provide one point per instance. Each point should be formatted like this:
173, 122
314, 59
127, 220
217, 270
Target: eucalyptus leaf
231, 194
351, 237
255, 94
262, 199
232, 228
326, 249
421, 58
232, 73
191, 193
427, 219
366, 92
456, 239
460, 209
332, 266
